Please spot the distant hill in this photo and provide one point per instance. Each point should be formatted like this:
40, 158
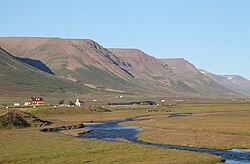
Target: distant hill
88, 64
234, 82
17, 77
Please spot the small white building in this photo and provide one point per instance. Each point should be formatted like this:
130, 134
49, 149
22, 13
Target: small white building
16, 104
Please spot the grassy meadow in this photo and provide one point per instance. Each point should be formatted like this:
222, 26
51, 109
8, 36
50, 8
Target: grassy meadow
217, 126
220, 126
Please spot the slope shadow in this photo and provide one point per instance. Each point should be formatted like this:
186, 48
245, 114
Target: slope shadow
37, 64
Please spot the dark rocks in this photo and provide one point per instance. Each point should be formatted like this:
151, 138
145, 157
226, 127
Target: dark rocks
56, 129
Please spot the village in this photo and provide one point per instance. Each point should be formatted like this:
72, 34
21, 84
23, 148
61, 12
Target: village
39, 101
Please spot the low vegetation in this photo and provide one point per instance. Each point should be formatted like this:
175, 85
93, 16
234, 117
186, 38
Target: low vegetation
29, 145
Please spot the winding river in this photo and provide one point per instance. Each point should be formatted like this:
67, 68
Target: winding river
111, 130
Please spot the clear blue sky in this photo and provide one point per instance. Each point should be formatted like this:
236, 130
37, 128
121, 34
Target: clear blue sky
211, 34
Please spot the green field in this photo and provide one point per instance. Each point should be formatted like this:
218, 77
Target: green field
220, 126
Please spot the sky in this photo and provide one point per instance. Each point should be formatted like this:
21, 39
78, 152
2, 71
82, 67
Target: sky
211, 34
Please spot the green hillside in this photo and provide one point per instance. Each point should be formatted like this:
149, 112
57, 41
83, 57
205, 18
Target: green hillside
19, 77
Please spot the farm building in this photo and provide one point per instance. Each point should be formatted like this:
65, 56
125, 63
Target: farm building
36, 101
148, 103
133, 103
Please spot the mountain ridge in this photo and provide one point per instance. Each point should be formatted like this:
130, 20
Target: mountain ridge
236, 83
196, 83
87, 63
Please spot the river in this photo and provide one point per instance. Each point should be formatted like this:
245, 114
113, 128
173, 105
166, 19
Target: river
111, 130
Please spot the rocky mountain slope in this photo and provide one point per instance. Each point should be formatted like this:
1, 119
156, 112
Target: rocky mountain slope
174, 73
234, 82
16, 76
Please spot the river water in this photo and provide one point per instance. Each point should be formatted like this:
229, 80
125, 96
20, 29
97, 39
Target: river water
111, 130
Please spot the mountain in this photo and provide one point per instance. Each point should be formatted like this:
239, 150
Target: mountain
193, 78
87, 63
174, 73
79, 60
151, 72
234, 82
18, 77
143, 66
181, 67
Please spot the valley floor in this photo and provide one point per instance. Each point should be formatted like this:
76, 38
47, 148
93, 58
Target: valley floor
220, 126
